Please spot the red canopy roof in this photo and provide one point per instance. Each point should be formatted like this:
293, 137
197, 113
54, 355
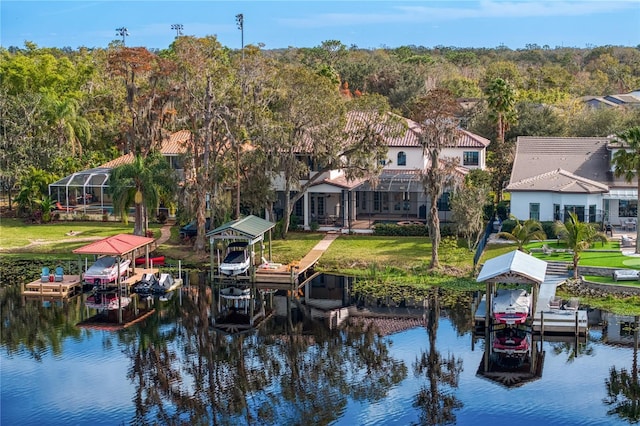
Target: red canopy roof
116, 245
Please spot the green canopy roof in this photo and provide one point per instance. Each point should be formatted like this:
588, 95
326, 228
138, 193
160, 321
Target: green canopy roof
250, 228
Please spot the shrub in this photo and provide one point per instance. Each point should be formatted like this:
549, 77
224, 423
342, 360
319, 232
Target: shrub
503, 210
394, 230
162, 217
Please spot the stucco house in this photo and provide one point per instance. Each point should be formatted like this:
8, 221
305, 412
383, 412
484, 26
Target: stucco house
333, 202
554, 175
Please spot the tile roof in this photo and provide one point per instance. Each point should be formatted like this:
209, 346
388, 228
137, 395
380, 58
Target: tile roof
173, 145
410, 138
549, 163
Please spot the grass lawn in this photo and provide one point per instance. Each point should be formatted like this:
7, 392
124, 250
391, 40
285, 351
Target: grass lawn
387, 263
52, 238
603, 255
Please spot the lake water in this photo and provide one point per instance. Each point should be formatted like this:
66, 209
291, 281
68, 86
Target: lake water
174, 369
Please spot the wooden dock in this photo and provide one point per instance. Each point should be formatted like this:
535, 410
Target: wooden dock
281, 274
70, 286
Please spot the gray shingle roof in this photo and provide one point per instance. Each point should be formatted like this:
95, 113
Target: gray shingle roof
586, 158
558, 181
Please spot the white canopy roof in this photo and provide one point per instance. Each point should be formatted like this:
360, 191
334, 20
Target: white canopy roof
514, 263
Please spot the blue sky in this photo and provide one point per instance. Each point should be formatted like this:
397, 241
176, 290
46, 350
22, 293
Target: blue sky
366, 24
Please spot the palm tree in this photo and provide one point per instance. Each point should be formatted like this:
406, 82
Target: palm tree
501, 99
578, 236
69, 125
626, 162
142, 184
524, 233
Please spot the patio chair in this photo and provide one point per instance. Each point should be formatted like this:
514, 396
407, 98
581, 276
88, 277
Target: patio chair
555, 302
58, 276
547, 250
44, 277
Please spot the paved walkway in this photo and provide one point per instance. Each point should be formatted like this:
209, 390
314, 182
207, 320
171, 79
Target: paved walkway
165, 233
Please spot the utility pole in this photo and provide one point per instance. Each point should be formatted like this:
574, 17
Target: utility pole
122, 32
178, 29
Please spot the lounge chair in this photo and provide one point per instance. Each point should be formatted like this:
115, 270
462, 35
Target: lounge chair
555, 302
626, 241
547, 250
44, 277
58, 276
572, 305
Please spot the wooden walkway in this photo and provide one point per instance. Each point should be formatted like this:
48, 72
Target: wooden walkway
288, 274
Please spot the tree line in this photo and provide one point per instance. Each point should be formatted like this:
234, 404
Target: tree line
255, 113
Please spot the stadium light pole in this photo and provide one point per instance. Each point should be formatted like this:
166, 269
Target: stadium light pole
122, 32
240, 22
178, 29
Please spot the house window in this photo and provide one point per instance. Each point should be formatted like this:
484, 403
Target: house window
627, 208
321, 206
470, 158
443, 202
534, 211
402, 159
299, 208
578, 210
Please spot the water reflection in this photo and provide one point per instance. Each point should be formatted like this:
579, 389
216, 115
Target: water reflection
436, 399
301, 368
623, 389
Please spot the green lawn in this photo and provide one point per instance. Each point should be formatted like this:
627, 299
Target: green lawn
603, 255
16, 236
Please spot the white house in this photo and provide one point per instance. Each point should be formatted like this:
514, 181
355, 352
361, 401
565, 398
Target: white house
553, 175
396, 195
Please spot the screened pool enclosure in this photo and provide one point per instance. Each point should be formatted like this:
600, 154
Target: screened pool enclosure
84, 192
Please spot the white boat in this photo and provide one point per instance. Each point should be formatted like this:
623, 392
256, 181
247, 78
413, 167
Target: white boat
511, 306
235, 293
105, 270
109, 301
237, 261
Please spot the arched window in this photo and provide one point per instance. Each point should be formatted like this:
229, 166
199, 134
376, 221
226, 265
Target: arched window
402, 159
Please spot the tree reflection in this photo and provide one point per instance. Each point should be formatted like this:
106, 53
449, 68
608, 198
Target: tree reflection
287, 372
436, 399
623, 390
36, 326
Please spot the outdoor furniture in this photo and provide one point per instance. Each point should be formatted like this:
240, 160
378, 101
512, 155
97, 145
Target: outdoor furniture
572, 304
555, 302
547, 250
626, 275
58, 276
626, 241
608, 230
630, 224
44, 276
